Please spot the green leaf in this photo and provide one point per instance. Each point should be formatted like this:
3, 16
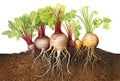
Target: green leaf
60, 11
92, 14
70, 15
37, 21
6, 32
33, 35
9, 33
46, 14
96, 22
89, 23
106, 26
19, 23
33, 16
18, 36
12, 26
76, 27
60, 7
26, 21
106, 20
50, 24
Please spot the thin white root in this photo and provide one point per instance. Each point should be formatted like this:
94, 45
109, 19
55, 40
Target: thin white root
49, 64
77, 53
36, 59
45, 72
32, 53
54, 62
49, 49
92, 58
68, 61
57, 65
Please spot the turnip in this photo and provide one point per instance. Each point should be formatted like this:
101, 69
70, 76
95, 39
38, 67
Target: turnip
90, 40
59, 42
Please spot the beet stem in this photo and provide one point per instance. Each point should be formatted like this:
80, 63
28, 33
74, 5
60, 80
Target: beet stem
58, 26
41, 31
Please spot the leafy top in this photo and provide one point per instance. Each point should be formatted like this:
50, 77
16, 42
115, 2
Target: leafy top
90, 22
21, 26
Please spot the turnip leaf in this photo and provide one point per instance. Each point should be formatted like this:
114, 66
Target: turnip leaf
89, 22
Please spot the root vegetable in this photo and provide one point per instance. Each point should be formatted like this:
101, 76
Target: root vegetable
59, 42
23, 27
74, 28
31, 47
41, 42
78, 44
90, 40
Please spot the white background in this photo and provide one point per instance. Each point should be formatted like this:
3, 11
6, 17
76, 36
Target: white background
109, 40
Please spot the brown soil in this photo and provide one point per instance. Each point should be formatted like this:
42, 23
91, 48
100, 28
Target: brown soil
17, 67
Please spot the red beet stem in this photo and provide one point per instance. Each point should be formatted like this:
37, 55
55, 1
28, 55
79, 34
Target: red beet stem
27, 39
58, 26
41, 31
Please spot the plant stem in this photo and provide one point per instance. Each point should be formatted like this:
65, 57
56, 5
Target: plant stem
27, 39
58, 26
41, 31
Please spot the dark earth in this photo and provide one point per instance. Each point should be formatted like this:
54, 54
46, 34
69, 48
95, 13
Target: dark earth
17, 67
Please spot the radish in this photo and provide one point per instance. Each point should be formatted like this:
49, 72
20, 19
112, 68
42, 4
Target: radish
23, 27
91, 40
